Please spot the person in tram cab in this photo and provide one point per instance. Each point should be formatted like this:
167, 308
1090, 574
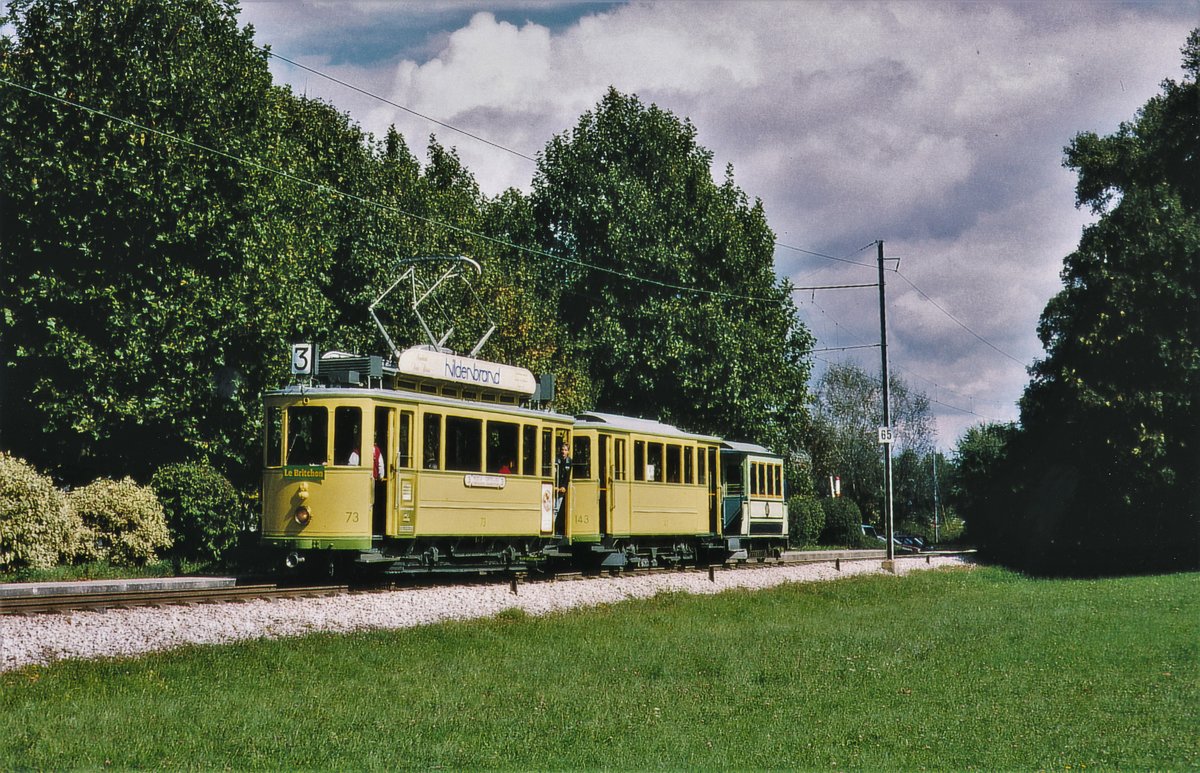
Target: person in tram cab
378, 470
562, 479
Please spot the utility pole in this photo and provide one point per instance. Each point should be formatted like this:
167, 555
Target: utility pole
935, 498
885, 432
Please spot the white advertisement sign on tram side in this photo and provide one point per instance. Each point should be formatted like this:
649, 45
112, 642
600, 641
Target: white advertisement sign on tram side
429, 364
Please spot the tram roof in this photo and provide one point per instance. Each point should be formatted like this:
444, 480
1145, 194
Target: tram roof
297, 390
748, 448
647, 426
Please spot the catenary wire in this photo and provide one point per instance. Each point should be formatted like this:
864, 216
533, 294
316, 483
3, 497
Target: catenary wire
322, 187
505, 148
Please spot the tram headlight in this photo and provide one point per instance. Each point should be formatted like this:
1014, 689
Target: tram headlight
303, 516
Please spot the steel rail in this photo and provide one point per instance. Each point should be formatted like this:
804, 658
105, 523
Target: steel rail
72, 602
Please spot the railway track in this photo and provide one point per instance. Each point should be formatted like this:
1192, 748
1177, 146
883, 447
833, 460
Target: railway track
50, 603
72, 602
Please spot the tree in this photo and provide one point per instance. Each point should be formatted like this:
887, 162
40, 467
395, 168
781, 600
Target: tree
981, 490
843, 436
1110, 417
152, 284
118, 241
627, 202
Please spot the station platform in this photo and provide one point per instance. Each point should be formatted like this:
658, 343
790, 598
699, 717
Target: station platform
810, 556
27, 589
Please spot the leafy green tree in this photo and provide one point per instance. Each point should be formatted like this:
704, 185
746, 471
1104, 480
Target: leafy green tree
980, 491
118, 240
627, 202
915, 480
1110, 418
153, 284
843, 436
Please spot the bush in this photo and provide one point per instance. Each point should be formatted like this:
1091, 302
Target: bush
123, 523
843, 522
37, 526
203, 510
806, 520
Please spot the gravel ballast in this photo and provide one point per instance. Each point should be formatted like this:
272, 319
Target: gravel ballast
42, 639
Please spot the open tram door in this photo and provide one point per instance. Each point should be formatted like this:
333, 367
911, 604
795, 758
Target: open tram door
562, 483
383, 470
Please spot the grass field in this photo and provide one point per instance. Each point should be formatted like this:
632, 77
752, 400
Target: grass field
952, 669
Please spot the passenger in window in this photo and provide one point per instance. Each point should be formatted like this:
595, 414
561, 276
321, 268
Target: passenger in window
507, 467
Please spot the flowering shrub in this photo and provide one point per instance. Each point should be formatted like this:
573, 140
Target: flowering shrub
37, 526
123, 522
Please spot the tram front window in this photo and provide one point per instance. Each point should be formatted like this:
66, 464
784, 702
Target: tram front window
347, 436
274, 436
308, 435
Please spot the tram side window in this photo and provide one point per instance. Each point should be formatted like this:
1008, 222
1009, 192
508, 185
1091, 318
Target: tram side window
528, 449
688, 454
433, 441
733, 477
547, 454
404, 455
347, 436
308, 435
754, 478
502, 447
274, 437
701, 467
779, 480
673, 464
639, 460
581, 458
654, 461
619, 460
464, 444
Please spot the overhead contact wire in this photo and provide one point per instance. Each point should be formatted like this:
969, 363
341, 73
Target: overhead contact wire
322, 187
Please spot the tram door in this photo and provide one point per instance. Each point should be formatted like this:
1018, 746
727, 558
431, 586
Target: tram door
603, 452
617, 516
714, 490
382, 469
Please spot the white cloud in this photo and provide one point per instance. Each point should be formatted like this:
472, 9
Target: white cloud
937, 127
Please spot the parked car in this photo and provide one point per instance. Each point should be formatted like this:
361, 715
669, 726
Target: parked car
869, 531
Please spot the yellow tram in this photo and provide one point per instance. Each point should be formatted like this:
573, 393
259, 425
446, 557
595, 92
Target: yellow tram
433, 464
645, 492
407, 467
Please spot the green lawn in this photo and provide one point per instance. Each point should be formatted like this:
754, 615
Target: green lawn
951, 669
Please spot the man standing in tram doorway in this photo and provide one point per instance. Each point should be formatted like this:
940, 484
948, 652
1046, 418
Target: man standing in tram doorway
562, 478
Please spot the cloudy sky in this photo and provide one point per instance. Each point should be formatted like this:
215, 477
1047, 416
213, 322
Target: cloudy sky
935, 127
